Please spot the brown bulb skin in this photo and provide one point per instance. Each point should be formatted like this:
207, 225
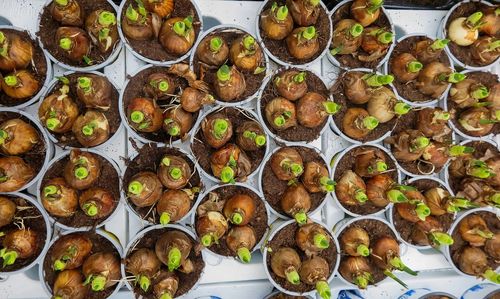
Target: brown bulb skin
87, 160
19, 53
23, 241
241, 204
281, 107
69, 285
21, 137
214, 139
7, 211
70, 15
80, 43
95, 29
104, 264
311, 112
64, 109
283, 157
153, 115
100, 132
361, 14
283, 260
176, 203
172, 42
14, 173
295, 200
62, 204
241, 237
273, 28
27, 85
214, 58
232, 89
103, 199
289, 88
152, 189
73, 249
299, 48
100, 93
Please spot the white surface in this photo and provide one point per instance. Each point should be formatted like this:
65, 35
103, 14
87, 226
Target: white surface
228, 278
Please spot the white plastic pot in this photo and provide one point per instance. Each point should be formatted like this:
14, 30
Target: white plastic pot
332, 58
447, 166
270, 296
343, 224
222, 28
63, 155
424, 293
111, 58
339, 132
49, 147
275, 228
214, 189
50, 90
446, 249
123, 38
481, 290
123, 114
48, 76
197, 127
284, 63
443, 33
409, 102
48, 231
133, 242
261, 174
109, 236
130, 206
389, 213
268, 80
457, 130
341, 154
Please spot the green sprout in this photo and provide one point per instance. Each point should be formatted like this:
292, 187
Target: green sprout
59, 265
2, 37
249, 43
493, 45
97, 282
323, 289
165, 161
61, 2
106, 19
207, 240
163, 86
441, 115
356, 30
91, 209
88, 129
65, 43
215, 44
459, 150
440, 238
422, 210
474, 20
374, 5
144, 282
236, 218
224, 73
227, 175
388, 273
331, 107
309, 33
363, 279
281, 13
299, 78
137, 117
360, 196
9, 257
363, 250
132, 14
494, 198
479, 169
321, 241
398, 264
327, 184
451, 78
135, 187
244, 255
292, 277
165, 218
50, 190
414, 66
300, 217
396, 196
3, 136
480, 92
174, 259
10, 80
81, 173
439, 44
175, 173
456, 204
401, 108
385, 37
370, 122
492, 276
375, 80
179, 28
85, 83
52, 123
419, 143
221, 126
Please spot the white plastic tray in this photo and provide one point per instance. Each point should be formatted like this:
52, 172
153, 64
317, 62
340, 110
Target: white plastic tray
227, 278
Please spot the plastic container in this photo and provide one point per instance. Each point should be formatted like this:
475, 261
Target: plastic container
214, 188
389, 213
247, 100
336, 159
48, 230
197, 127
109, 236
343, 224
339, 132
442, 33
276, 293
275, 228
419, 104
281, 62
130, 206
424, 293
125, 122
259, 103
123, 38
446, 249
49, 147
48, 76
50, 88
135, 239
455, 129
336, 63
111, 58
261, 171
63, 155
482, 290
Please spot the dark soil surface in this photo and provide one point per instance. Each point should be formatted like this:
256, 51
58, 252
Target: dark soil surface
286, 238
279, 48
347, 163
258, 222
108, 180
479, 151
49, 26
99, 244
376, 229
493, 224
186, 281
274, 188
32, 219
488, 80
36, 156
152, 49
68, 139
37, 67
208, 73
351, 60
409, 122
134, 89
148, 159
299, 132
337, 91
409, 90
203, 151
460, 52
405, 227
